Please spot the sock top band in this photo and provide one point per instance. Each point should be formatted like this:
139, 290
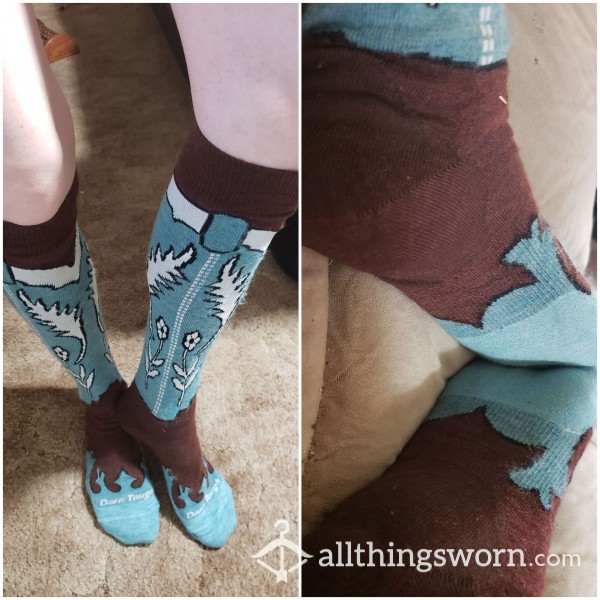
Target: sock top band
47, 245
219, 183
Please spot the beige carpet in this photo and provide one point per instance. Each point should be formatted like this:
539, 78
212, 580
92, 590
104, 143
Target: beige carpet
132, 112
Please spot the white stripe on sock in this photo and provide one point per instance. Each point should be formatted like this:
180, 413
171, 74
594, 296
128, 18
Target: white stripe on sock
56, 277
258, 239
183, 210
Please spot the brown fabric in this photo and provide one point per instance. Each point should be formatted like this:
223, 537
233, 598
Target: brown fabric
114, 451
456, 469
175, 443
414, 161
45, 246
220, 183
45, 32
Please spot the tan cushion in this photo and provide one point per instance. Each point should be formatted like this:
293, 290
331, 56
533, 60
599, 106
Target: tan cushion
314, 336
552, 102
387, 360
575, 532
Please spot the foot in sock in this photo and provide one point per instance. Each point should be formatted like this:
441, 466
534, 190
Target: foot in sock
411, 173
49, 278
200, 496
212, 230
485, 471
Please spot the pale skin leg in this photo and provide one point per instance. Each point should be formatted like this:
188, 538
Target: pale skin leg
243, 66
39, 140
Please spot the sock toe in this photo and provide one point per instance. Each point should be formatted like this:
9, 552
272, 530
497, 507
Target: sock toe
212, 520
132, 529
130, 515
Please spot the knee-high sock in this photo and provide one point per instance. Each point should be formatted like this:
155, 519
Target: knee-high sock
410, 172
49, 278
212, 230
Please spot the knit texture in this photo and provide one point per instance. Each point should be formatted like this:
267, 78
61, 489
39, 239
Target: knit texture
413, 158
220, 183
469, 33
47, 245
411, 173
485, 471
199, 267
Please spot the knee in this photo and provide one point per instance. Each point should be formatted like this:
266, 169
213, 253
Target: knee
273, 107
256, 122
39, 168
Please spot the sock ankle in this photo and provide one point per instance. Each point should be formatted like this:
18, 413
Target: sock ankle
411, 173
174, 442
212, 230
485, 472
49, 278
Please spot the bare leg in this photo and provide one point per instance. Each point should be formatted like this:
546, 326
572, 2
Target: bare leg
39, 141
243, 66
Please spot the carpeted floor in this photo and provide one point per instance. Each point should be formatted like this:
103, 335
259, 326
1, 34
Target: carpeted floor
132, 112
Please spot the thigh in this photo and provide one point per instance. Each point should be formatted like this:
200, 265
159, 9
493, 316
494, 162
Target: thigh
39, 146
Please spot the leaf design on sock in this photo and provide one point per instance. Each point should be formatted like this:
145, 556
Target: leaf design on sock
61, 353
152, 360
164, 270
94, 292
85, 380
187, 372
226, 293
65, 323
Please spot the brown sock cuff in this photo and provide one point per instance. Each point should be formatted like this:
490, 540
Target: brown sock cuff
47, 245
219, 183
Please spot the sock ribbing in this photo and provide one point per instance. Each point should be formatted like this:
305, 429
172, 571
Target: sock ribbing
47, 245
219, 183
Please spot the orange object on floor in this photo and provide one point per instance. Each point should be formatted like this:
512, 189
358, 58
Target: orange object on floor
57, 45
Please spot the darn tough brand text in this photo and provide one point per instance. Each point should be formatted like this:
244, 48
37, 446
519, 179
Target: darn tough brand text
128, 498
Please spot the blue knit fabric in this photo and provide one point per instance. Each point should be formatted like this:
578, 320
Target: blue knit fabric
535, 324
466, 33
212, 520
131, 514
551, 408
199, 267
61, 305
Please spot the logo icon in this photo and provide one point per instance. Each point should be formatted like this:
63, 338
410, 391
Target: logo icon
281, 543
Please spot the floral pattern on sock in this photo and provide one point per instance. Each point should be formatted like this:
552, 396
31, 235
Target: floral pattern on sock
195, 286
186, 372
152, 360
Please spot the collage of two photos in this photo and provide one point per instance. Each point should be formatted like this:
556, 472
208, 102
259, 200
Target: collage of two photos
300, 299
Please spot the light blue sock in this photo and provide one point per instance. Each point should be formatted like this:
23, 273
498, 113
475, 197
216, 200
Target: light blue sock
199, 267
468, 33
551, 408
212, 520
533, 325
61, 305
